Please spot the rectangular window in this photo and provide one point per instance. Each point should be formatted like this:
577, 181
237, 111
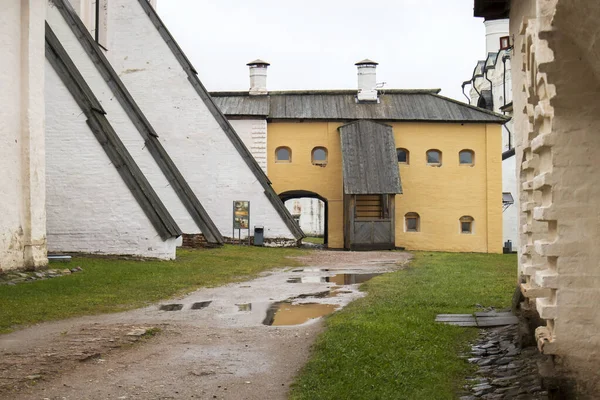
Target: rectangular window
465, 227
411, 224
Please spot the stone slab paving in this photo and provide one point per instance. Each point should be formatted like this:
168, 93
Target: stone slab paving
481, 319
504, 371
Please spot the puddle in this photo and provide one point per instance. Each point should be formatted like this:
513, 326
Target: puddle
307, 279
171, 307
338, 279
244, 307
350, 279
200, 305
311, 270
282, 313
323, 295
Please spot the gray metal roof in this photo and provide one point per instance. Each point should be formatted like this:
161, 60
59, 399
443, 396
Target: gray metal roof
369, 159
258, 61
366, 61
341, 105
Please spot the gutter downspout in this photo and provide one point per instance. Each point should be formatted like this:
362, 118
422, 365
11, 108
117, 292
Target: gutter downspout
465, 83
504, 58
486, 69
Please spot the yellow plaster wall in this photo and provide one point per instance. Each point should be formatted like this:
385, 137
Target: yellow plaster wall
300, 174
439, 195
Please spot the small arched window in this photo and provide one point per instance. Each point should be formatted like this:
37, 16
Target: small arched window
466, 157
283, 155
403, 156
319, 156
434, 158
466, 224
412, 222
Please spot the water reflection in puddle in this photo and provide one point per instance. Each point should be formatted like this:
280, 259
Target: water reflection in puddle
338, 279
201, 304
307, 279
171, 307
311, 270
350, 279
280, 314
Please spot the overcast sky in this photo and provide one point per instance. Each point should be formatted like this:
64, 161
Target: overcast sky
313, 44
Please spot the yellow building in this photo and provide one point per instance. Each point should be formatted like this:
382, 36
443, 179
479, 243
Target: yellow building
352, 148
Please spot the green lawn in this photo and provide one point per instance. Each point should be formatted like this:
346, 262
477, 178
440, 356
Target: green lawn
387, 345
311, 239
110, 285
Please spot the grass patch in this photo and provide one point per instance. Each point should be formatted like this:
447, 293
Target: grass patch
111, 285
387, 345
316, 240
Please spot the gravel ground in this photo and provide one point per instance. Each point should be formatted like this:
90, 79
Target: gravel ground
220, 351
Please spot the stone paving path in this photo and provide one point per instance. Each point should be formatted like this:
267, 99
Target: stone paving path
504, 371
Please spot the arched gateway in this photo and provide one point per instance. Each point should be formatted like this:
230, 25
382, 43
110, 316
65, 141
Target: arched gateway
303, 194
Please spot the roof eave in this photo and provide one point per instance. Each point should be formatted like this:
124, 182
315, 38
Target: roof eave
491, 9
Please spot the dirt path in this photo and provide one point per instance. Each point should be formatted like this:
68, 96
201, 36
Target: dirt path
220, 350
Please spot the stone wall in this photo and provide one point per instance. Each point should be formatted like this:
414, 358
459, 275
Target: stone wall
90, 208
556, 96
22, 181
193, 137
253, 133
122, 123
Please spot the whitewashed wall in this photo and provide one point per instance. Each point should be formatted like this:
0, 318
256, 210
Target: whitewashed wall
189, 132
22, 177
501, 78
310, 214
121, 122
253, 133
510, 216
90, 208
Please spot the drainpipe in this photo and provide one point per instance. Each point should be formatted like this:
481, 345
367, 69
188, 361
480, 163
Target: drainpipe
486, 69
504, 58
465, 83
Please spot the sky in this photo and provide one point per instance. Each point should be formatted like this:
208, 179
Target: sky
313, 44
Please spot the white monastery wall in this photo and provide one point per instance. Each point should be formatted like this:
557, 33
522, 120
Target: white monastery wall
501, 86
193, 137
510, 216
122, 124
253, 133
90, 208
22, 177
557, 146
310, 214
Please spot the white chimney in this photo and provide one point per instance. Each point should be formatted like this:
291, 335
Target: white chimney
258, 76
367, 80
494, 30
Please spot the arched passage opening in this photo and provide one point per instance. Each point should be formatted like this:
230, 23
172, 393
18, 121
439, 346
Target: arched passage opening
310, 211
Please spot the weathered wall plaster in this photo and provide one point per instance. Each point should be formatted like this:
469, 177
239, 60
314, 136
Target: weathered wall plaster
557, 143
189, 132
90, 208
254, 134
121, 122
22, 182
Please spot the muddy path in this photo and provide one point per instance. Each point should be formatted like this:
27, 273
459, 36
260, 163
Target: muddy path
241, 341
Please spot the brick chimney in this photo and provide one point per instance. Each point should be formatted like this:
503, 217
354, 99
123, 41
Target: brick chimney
258, 76
367, 80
